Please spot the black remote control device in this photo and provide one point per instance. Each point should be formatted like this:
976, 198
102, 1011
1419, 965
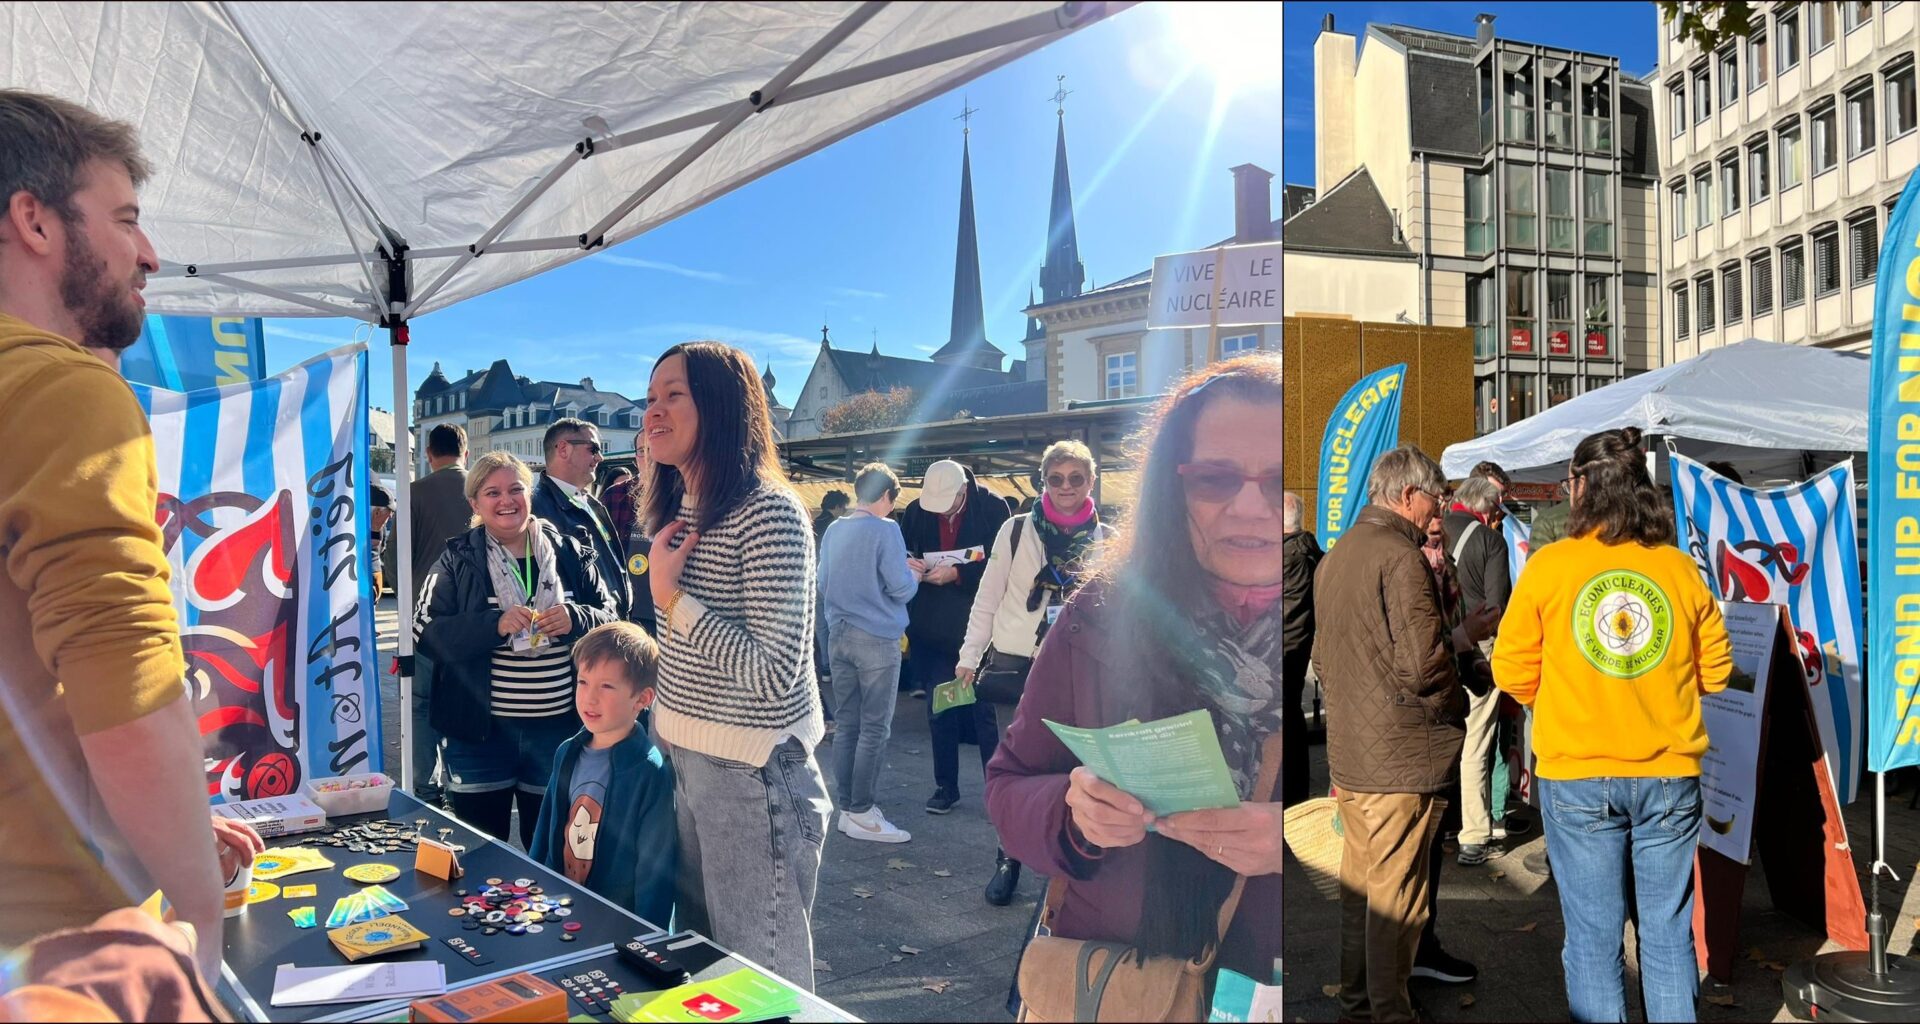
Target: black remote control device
654, 963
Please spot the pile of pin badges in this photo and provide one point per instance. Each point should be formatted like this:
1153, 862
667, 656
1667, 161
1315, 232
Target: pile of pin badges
519, 907
377, 837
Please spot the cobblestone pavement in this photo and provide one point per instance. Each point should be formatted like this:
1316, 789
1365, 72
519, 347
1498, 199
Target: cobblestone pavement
1506, 920
924, 895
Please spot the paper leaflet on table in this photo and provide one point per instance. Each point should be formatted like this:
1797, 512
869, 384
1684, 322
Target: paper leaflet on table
357, 983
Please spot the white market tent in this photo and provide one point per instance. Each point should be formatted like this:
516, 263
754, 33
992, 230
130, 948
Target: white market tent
1767, 407
382, 160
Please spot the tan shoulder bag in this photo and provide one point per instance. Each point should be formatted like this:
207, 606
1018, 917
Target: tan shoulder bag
1065, 980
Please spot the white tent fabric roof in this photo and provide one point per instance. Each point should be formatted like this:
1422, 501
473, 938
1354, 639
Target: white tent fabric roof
278, 130
1753, 394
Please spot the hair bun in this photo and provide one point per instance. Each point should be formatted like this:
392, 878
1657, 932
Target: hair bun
1630, 436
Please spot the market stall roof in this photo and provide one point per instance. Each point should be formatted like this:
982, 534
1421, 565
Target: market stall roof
1753, 395
366, 160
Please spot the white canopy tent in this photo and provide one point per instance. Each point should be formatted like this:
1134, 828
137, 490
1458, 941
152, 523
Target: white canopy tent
381, 160
1770, 408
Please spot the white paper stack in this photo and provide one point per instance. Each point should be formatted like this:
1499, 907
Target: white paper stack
276, 815
357, 983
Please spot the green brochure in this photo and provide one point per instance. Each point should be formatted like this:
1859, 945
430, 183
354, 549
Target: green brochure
955, 693
743, 995
1170, 765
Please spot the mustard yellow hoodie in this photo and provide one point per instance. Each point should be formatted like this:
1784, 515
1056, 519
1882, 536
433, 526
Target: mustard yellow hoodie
1612, 646
88, 634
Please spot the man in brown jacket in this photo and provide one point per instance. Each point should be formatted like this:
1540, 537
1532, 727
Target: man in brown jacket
1395, 722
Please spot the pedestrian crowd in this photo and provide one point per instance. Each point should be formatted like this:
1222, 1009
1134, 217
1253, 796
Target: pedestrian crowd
631, 672
1428, 652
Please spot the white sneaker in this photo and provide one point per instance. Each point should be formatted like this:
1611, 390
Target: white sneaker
873, 827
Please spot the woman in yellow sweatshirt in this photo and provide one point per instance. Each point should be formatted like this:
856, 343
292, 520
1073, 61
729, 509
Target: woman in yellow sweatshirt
1612, 638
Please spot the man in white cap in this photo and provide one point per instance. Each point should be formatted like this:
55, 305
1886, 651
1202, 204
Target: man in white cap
948, 531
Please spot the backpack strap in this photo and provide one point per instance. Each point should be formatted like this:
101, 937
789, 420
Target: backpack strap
1018, 522
1461, 544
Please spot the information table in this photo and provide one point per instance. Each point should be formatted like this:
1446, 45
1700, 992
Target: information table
263, 938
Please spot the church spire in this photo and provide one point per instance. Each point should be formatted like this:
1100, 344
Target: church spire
967, 343
1062, 273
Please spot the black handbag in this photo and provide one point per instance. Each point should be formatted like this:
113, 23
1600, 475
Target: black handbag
1002, 678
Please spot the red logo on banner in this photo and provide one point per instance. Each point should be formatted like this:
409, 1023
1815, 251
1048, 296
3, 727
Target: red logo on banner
1597, 344
1559, 344
1520, 340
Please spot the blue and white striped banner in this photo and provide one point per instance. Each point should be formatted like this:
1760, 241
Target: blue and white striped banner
1519, 537
262, 490
1795, 546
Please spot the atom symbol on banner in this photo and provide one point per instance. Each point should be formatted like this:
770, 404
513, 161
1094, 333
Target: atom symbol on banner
1627, 624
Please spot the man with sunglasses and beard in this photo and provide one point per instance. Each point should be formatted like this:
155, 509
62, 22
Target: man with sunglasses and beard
93, 711
560, 497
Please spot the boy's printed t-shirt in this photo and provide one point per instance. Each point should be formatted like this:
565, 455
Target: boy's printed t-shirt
586, 803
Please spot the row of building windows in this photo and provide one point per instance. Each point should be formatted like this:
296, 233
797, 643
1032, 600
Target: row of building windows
1783, 35
1523, 395
1586, 229
1553, 81
1897, 87
1522, 332
1747, 288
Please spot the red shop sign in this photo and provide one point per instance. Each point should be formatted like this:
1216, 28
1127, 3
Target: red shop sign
1520, 340
1559, 344
1597, 344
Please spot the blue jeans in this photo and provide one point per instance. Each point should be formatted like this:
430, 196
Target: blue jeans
866, 685
1601, 833
750, 841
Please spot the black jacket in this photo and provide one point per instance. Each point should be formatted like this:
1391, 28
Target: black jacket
457, 627
937, 615
1300, 555
550, 503
1481, 566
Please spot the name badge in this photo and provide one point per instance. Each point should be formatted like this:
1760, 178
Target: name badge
1053, 613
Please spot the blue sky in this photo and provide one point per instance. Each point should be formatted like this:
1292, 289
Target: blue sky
863, 232
1625, 30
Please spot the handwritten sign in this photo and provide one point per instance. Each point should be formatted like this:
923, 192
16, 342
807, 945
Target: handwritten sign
1234, 285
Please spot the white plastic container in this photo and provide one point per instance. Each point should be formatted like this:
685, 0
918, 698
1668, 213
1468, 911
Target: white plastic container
342, 795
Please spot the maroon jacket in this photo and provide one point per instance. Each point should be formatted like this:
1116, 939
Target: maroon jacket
1027, 796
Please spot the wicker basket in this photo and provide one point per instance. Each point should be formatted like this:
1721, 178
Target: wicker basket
1311, 833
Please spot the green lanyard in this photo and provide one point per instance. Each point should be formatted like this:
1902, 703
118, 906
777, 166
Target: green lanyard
523, 572
580, 502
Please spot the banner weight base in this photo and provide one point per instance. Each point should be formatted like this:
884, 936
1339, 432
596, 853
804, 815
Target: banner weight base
1843, 987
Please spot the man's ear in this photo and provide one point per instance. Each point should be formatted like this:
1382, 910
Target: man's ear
26, 220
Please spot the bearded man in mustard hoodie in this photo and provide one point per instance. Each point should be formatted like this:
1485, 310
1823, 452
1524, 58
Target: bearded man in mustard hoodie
98, 743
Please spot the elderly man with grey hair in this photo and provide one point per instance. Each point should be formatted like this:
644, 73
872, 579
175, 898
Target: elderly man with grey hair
1300, 556
1479, 553
1395, 720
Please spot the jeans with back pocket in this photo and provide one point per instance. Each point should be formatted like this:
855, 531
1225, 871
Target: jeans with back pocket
1601, 833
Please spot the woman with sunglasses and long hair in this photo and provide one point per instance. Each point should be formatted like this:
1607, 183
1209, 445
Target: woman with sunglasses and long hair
732, 577
1036, 562
1184, 615
1612, 639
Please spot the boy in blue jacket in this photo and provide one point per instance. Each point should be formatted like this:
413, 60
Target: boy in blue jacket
608, 821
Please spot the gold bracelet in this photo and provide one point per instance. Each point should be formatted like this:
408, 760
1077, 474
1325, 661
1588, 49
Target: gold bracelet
672, 602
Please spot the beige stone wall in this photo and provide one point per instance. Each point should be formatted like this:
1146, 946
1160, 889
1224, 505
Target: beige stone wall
1449, 299
1436, 204
1382, 133
1349, 286
1333, 118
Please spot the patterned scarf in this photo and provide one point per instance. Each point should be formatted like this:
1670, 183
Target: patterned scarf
1064, 565
1238, 677
504, 570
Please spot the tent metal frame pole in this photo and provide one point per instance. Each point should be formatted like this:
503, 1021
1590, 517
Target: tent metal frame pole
596, 235
329, 308
169, 268
580, 151
398, 336
312, 139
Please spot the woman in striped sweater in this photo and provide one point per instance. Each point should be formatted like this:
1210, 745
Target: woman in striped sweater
732, 579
